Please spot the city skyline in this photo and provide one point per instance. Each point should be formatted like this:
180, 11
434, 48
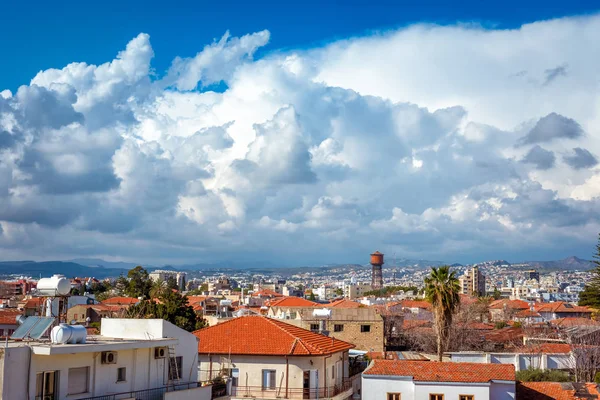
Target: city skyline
456, 140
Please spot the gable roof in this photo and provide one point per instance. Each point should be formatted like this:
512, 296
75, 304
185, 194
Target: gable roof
557, 391
435, 371
267, 293
344, 303
562, 307
121, 300
9, 317
258, 335
509, 304
291, 301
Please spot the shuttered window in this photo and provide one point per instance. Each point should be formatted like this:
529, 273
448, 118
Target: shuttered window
78, 380
268, 379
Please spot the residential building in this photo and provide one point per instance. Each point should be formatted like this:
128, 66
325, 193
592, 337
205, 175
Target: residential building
345, 320
557, 391
472, 283
266, 358
561, 309
8, 321
532, 274
148, 356
162, 275
355, 290
432, 380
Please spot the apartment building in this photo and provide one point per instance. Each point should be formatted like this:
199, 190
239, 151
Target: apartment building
432, 380
150, 357
266, 358
472, 283
355, 290
162, 275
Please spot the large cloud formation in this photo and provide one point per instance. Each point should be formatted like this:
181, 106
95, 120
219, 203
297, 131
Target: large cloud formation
424, 141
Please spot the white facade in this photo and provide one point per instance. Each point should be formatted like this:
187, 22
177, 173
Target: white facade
376, 387
160, 275
79, 371
521, 361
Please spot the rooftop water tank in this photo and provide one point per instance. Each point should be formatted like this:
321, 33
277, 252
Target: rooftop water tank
58, 285
68, 334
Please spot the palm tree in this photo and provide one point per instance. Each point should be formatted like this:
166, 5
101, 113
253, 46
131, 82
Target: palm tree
442, 291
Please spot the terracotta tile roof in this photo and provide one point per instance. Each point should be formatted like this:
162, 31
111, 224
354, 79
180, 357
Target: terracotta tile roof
548, 348
476, 325
504, 335
121, 300
573, 321
344, 303
267, 293
34, 303
425, 305
9, 317
434, 371
415, 323
527, 314
291, 302
466, 299
195, 299
258, 335
510, 304
561, 306
556, 391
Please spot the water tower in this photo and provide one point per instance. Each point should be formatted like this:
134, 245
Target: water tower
376, 277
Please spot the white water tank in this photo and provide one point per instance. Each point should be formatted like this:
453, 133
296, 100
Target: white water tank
68, 334
58, 285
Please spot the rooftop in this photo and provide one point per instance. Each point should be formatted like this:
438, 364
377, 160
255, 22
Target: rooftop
434, 371
557, 391
258, 335
291, 302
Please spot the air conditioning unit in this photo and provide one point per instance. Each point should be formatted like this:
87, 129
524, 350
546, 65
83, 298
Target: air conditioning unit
109, 357
160, 352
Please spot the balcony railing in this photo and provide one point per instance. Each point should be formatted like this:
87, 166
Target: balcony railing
147, 394
291, 393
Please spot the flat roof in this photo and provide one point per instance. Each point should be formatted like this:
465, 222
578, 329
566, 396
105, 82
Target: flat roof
93, 343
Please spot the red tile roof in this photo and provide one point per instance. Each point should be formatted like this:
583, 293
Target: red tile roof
434, 371
561, 306
121, 300
344, 303
510, 304
267, 293
556, 391
9, 317
291, 302
527, 314
36, 302
573, 321
258, 335
548, 348
425, 305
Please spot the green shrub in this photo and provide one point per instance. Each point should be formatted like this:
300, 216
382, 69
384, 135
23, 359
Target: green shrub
540, 375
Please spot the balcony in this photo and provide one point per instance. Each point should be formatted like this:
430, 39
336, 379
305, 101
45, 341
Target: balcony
338, 392
183, 390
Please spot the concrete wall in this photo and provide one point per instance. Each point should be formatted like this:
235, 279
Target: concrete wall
521, 361
200, 393
13, 372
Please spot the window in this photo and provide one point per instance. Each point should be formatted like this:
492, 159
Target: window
333, 372
46, 385
314, 327
1, 332
393, 396
338, 328
121, 374
175, 366
75, 316
78, 380
436, 396
268, 379
234, 373
365, 328
11, 331
466, 397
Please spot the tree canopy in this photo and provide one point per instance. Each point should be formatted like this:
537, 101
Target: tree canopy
590, 296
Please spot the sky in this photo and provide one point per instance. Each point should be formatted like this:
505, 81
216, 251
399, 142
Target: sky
310, 134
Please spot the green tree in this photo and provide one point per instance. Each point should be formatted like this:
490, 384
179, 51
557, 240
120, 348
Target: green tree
590, 296
497, 294
540, 375
139, 283
121, 285
312, 297
172, 307
442, 291
172, 283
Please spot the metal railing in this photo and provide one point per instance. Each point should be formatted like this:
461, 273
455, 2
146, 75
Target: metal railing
147, 394
290, 393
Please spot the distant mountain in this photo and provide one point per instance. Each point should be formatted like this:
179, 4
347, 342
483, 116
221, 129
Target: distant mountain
98, 262
48, 268
570, 264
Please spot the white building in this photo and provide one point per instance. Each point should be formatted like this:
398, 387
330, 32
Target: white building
432, 380
265, 358
356, 290
162, 275
129, 355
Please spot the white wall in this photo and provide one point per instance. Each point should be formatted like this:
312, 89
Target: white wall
376, 388
199, 393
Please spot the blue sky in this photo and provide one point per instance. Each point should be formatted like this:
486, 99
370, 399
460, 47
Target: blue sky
38, 35
434, 130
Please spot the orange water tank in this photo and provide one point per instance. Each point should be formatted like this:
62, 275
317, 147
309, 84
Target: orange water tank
377, 258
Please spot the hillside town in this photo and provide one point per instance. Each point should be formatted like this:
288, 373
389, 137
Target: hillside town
512, 333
